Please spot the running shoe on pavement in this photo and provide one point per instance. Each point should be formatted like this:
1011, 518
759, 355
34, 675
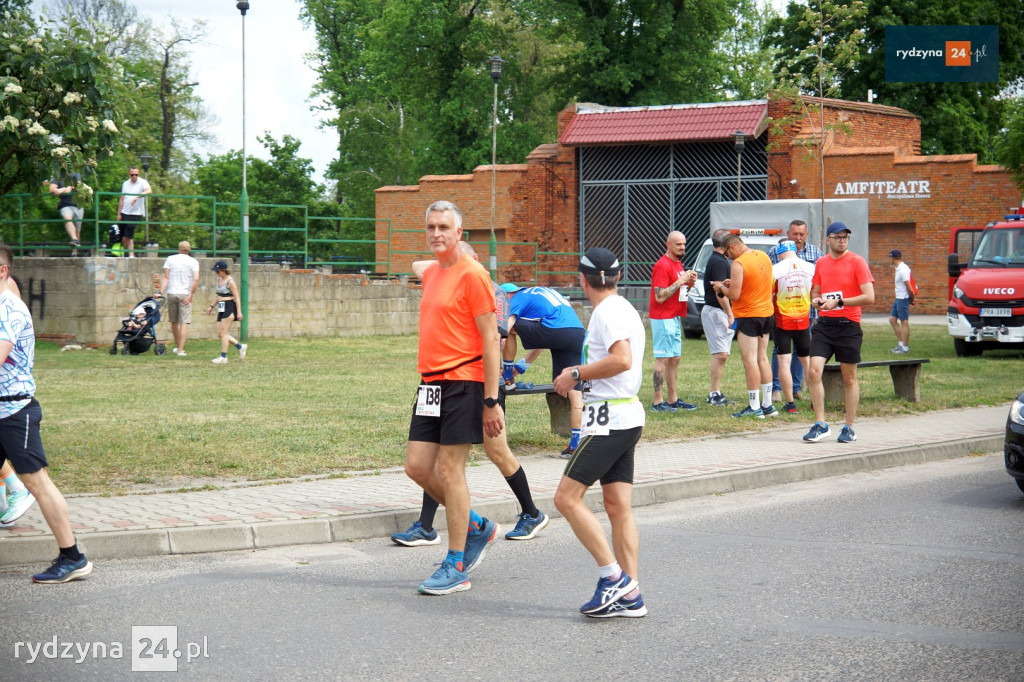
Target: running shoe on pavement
567, 452
17, 504
609, 591
446, 579
846, 435
747, 412
416, 535
662, 407
63, 570
624, 608
790, 407
476, 544
818, 432
527, 527
769, 411
680, 405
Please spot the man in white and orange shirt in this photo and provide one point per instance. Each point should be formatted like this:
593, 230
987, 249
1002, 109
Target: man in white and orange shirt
792, 315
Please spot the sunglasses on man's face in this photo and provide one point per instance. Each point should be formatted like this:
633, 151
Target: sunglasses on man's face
134, 175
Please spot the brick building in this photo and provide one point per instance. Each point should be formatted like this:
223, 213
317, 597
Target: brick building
874, 154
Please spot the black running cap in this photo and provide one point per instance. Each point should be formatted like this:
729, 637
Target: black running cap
599, 261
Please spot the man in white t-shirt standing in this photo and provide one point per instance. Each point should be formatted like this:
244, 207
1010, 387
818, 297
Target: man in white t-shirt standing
899, 316
613, 419
131, 209
181, 278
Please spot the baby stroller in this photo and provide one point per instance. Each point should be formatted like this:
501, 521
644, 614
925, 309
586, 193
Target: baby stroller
138, 330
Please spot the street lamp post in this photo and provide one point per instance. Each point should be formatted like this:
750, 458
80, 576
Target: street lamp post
740, 140
495, 64
243, 7
146, 159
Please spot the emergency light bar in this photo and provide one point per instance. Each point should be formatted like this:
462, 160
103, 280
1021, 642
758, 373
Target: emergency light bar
767, 231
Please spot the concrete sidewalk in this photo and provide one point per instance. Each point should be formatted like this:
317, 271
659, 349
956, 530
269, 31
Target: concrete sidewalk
378, 504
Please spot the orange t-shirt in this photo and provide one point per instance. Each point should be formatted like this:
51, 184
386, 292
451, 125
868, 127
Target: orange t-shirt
452, 299
756, 292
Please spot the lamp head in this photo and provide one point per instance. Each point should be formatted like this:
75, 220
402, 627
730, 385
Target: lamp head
242, 6
495, 63
145, 159
739, 138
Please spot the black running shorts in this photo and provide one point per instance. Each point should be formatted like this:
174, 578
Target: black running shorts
462, 415
20, 442
837, 336
605, 458
787, 339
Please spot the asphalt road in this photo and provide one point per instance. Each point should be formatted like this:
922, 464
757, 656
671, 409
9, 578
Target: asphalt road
915, 573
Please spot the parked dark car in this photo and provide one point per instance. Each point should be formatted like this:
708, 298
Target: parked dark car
1013, 444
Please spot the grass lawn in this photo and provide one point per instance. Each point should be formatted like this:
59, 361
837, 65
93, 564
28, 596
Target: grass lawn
307, 406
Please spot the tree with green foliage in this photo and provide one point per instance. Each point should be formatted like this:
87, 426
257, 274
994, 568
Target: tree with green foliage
956, 118
638, 52
58, 103
746, 53
1010, 146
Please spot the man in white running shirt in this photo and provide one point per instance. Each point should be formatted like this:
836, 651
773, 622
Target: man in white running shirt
613, 419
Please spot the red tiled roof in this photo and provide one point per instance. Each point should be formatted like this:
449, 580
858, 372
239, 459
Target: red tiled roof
677, 123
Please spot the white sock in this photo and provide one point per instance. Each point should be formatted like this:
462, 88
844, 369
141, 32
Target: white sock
611, 570
766, 391
752, 396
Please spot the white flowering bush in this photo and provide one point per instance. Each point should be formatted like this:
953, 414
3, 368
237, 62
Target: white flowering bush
57, 102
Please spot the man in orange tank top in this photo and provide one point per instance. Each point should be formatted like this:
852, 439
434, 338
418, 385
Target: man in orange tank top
749, 289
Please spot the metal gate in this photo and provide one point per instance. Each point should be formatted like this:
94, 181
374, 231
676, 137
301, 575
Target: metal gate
632, 197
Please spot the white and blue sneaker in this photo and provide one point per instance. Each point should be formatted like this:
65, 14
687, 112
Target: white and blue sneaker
63, 570
747, 412
476, 544
445, 580
527, 527
846, 435
608, 592
818, 432
17, 504
416, 535
624, 608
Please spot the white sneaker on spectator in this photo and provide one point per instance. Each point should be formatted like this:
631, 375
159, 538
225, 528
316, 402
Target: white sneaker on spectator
219, 361
241, 351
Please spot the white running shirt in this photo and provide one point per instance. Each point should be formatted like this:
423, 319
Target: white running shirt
614, 319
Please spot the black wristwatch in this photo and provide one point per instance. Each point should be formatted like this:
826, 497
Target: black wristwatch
840, 302
491, 402
575, 373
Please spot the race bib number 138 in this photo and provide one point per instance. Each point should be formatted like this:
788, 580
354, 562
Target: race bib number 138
428, 401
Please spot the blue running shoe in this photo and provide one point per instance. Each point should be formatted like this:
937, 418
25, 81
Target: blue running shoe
416, 536
476, 544
747, 412
680, 405
63, 569
818, 432
846, 435
662, 407
527, 527
609, 591
769, 411
446, 579
624, 608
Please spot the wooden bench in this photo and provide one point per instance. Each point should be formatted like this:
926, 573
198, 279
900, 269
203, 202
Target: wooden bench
558, 406
906, 379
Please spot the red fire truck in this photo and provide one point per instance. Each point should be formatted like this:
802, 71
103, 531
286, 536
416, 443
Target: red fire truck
986, 286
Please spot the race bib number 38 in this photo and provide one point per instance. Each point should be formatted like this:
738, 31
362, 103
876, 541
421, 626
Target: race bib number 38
595, 419
428, 401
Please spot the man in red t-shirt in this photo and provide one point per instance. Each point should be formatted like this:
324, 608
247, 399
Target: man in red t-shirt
669, 284
842, 283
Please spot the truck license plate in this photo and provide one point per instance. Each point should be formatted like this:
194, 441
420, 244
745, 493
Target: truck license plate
996, 312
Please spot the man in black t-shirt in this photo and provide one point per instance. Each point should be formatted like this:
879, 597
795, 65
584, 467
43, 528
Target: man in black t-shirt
716, 316
66, 206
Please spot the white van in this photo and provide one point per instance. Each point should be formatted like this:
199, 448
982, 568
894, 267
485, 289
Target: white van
755, 238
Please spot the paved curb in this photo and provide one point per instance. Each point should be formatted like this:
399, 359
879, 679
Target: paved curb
220, 538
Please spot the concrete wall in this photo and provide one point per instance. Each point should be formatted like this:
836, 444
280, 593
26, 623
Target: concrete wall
86, 298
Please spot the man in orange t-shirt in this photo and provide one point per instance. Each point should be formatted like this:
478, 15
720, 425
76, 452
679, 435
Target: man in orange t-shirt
749, 289
457, 400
